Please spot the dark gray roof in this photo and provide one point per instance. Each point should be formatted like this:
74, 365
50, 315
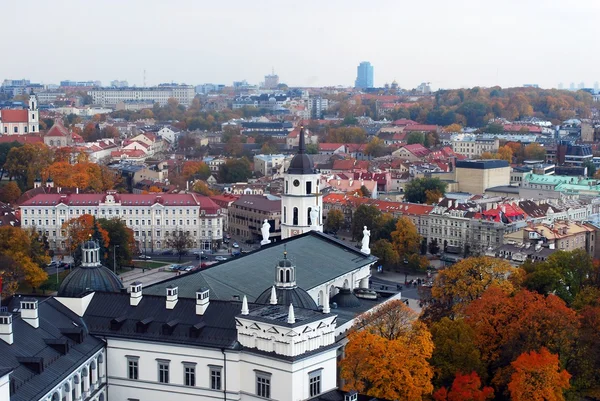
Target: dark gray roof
110, 314
31, 342
258, 202
84, 279
510, 189
318, 259
481, 164
301, 163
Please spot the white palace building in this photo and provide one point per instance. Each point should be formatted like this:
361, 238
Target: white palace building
268, 325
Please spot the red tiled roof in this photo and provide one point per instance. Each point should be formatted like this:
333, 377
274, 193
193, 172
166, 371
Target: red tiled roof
417, 149
347, 164
14, 116
58, 129
21, 139
404, 121
183, 200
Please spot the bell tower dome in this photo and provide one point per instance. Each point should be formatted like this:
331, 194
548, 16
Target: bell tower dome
301, 201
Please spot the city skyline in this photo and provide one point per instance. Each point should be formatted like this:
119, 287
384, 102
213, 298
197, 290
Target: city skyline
447, 54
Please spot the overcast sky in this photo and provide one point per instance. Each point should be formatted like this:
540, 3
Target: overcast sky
458, 43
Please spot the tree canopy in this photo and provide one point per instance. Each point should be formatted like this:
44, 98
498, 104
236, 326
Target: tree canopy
416, 190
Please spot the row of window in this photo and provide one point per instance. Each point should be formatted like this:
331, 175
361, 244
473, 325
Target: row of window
110, 212
263, 379
16, 129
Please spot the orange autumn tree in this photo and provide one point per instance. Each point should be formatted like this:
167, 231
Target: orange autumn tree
465, 388
84, 175
387, 355
81, 229
538, 377
507, 325
154, 189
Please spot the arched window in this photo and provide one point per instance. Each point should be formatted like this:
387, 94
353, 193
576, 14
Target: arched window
287, 183
308, 216
281, 276
295, 220
308, 187
287, 276
284, 214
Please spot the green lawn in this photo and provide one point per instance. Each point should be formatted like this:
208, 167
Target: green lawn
51, 285
149, 264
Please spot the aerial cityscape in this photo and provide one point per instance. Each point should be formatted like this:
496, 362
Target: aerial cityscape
227, 202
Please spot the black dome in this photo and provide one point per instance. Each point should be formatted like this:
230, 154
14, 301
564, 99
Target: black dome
301, 163
285, 263
286, 296
345, 298
95, 278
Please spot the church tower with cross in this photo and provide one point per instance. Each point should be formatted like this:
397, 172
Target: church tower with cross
302, 200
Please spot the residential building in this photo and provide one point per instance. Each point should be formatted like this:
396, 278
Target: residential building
224, 201
475, 176
331, 148
349, 185
268, 165
536, 186
317, 106
560, 235
271, 81
21, 122
412, 152
247, 215
473, 146
110, 97
364, 76
152, 217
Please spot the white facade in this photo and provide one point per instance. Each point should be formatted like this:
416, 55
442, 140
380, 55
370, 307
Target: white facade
21, 122
301, 194
152, 221
110, 97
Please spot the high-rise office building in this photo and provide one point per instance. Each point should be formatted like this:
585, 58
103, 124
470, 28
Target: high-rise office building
364, 75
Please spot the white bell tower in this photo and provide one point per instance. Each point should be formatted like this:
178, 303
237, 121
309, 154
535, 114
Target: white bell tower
33, 115
301, 201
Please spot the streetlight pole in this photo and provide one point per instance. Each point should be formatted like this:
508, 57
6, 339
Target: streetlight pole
115, 258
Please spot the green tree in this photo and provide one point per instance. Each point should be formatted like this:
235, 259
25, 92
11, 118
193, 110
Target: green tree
312, 148
235, 170
365, 215
4, 150
335, 220
591, 168
455, 351
384, 250
564, 274
121, 242
416, 190
365, 192
27, 162
415, 137
376, 147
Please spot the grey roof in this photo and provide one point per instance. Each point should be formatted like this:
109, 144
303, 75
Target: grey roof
110, 314
318, 259
258, 202
31, 342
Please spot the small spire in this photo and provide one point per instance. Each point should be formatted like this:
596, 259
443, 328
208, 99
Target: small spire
273, 300
245, 309
301, 144
291, 316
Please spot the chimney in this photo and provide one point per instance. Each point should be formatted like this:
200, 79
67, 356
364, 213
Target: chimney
202, 300
291, 317
326, 308
171, 296
6, 329
351, 396
245, 310
135, 293
29, 312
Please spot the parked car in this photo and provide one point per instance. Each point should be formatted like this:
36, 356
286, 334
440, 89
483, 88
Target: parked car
53, 264
221, 258
65, 265
145, 257
235, 245
167, 252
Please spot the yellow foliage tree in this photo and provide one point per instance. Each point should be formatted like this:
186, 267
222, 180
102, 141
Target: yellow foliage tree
406, 240
81, 229
458, 285
387, 355
18, 246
